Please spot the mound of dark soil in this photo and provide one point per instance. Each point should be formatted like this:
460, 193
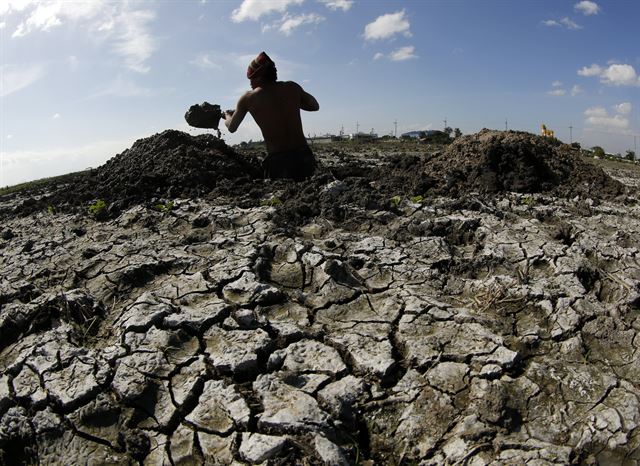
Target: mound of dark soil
166, 165
489, 162
501, 161
172, 164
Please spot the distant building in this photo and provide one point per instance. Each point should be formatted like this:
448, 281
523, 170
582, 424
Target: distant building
363, 136
418, 134
324, 138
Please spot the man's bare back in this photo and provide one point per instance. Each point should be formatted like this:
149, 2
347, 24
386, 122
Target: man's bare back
275, 106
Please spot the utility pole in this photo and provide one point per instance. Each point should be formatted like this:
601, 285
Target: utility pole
570, 134
445, 122
635, 147
506, 125
357, 127
395, 128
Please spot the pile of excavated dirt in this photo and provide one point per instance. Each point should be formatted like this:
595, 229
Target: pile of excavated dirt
174, 164
166, 165
489, 162
507, 161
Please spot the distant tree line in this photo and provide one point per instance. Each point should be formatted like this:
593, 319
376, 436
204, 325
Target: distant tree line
599, 152
438, 137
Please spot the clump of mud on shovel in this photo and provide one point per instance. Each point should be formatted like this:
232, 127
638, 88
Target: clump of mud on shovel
204, 115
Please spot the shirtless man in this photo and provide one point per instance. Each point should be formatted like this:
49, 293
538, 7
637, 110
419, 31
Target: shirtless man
275, 106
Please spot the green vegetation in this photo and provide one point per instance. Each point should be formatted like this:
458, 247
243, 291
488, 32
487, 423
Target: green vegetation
528, 201
598, 151
164, 208
272, 202
417, 199
97, 209
630, 155
395, 201
51, 210
437, 137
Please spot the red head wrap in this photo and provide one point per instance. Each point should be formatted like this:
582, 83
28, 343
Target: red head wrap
259, 65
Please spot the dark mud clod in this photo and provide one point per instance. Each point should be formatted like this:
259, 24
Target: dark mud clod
204, 115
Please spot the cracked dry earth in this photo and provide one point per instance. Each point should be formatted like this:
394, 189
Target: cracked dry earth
504, 332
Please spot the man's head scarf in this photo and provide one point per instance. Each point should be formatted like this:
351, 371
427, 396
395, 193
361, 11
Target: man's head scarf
259, 66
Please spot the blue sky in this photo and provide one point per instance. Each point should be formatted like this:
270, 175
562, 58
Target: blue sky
81, 80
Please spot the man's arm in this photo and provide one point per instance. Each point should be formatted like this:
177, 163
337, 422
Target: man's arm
233, 120
308, 102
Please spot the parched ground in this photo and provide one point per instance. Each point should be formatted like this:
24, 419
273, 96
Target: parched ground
383, 321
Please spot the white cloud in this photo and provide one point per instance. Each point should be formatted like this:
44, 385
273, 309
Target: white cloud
557, 92
125, 28
204, 61
593, 70
134, 42
575, 90
620, 75
615, 122
403, 53
3, 25
623, 109
56, 116
9, 6
570, 24
254, 9
343, 5
614, 75
400, 54
596, 112
291, 22
15, 77
556, 83
567, 22
388, 25
107, 25
587, 7
598, 117
49, 14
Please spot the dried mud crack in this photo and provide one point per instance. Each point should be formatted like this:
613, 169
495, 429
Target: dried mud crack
474, 304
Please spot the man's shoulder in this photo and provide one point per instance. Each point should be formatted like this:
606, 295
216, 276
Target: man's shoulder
247, 96
290, 84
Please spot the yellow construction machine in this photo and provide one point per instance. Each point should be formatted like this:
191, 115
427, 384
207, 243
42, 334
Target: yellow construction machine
544, 131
